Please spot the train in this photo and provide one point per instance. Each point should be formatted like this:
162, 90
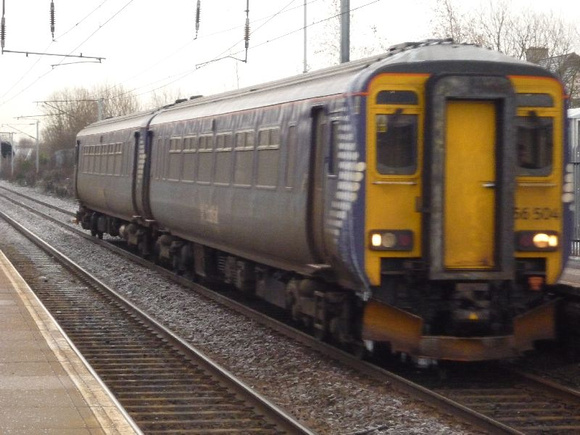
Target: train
414, 203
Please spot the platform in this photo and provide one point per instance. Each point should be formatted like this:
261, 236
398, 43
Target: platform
571, 274
45, 385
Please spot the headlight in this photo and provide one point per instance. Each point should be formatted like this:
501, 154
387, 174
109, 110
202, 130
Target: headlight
391, 240
537, 240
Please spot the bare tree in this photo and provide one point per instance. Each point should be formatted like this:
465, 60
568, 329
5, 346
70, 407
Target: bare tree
70, 110
116, 100
448, 22
163, 97
367, 41
524, 34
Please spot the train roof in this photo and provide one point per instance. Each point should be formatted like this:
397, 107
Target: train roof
430, 56
427, 56
131, 121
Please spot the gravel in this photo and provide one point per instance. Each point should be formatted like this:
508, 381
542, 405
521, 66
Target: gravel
321, 393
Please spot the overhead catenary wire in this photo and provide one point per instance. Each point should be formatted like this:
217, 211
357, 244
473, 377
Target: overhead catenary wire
39, 53
184, 74
2, 102
23, 76
211, 35
179, 76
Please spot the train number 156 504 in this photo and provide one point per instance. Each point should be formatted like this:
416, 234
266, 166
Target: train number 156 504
536, 213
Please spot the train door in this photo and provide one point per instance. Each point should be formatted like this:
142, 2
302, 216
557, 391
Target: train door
77, 170
142, 164
471, 180
323, 175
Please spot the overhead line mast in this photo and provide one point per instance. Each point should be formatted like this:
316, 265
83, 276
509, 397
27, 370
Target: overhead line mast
344, 31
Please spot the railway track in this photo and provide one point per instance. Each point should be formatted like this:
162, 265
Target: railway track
165, 385
514, 401
494, 400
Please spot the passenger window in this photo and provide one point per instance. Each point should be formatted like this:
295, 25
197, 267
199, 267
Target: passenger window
244, 158
534, 143
396, 144
268, 157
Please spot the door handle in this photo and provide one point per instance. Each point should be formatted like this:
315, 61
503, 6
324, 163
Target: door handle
488, 184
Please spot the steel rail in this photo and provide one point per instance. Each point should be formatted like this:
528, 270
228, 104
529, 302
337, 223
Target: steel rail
282, 420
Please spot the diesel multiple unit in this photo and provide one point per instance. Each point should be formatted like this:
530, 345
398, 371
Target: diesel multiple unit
414, 201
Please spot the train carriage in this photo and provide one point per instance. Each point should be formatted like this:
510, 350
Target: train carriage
412, 200
105, 180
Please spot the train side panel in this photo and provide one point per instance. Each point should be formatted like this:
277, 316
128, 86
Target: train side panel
231, 191
106, 172
104, 179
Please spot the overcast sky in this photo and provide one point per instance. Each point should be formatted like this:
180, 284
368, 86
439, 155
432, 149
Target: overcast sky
148, 46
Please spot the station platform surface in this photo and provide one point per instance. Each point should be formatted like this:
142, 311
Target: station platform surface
45, 386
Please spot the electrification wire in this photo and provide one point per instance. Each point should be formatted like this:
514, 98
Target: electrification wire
76, 48
182, 75
100, 27
314, 24
192, 71
82, 20
267, 20
23, 76
211, 35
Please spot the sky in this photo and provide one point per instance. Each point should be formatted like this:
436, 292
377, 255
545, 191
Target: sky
151, 47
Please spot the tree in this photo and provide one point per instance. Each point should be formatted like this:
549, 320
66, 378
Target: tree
364, 42
70, 110
163, 97
524, 34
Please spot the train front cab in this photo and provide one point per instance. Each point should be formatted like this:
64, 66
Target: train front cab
463, 230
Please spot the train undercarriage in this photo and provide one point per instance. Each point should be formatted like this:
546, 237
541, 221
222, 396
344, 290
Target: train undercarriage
408, 314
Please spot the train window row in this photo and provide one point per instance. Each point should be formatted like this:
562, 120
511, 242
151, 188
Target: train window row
397, 136
104, 159
243, 159
397, 145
